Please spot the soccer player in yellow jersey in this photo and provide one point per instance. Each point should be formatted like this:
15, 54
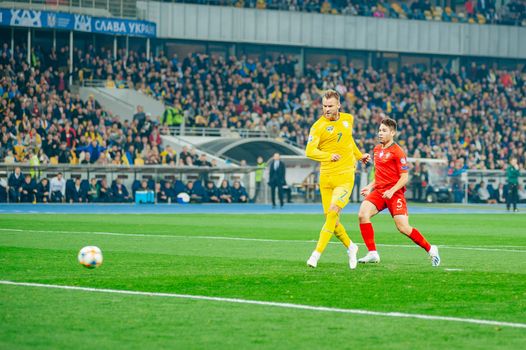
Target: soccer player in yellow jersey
331, 143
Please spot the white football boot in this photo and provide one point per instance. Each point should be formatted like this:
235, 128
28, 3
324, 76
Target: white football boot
372, 257
352, 252
435, 258
313, 260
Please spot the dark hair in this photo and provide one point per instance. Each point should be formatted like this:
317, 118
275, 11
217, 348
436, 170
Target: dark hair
390, 123
331, 94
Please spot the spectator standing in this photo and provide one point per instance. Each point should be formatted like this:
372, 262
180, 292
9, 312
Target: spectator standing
512, 177
261, 165
276, 179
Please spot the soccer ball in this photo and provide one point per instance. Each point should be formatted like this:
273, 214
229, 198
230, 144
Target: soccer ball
90, 257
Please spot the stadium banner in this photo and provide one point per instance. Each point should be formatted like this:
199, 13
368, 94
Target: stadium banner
76, 22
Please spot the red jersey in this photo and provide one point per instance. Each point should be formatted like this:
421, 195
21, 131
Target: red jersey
389, 164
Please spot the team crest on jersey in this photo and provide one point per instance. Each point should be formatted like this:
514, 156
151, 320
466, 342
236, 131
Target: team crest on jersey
330, 128
381, 154
346, 123
387, 155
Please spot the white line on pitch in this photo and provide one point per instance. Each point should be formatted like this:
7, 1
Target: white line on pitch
273, 304
251, 239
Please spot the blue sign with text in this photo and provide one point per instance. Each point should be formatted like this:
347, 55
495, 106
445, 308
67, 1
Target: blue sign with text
76, 22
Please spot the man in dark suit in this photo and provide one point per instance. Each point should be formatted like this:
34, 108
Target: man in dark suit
14, 183
77, 193
276, 179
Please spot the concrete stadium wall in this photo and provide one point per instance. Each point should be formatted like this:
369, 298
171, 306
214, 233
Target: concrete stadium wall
230, 24
123, 102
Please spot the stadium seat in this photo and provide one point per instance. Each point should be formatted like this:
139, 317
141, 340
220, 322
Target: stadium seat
198, 185
70, 186
135, 186
151, 184
84, 185
179, 187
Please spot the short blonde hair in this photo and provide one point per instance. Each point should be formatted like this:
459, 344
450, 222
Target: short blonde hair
331, 94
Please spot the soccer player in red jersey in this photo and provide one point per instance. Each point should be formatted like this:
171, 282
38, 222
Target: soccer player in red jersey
387, 191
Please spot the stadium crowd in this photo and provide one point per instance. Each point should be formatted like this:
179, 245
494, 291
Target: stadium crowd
474, 11
442, 113
474, 117
42, 122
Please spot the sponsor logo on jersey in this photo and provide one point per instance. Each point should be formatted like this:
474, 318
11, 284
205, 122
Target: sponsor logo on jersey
346, 123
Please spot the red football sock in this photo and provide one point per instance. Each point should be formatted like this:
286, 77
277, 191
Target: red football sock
419, 239
368, 235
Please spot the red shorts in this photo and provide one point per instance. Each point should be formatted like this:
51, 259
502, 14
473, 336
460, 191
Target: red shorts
396, 204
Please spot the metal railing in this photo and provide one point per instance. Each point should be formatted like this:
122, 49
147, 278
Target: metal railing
93, 83
227, 132
217, 132
119, 8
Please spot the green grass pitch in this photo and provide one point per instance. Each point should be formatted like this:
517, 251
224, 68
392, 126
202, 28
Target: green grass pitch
483, 276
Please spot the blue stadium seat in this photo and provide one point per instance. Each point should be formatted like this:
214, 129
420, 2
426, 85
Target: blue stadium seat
84, 185
70, 186
151, 184
179, 187
135, 186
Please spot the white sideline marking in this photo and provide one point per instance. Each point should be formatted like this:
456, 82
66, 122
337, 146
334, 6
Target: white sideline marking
271, 303
453, 270
259, 239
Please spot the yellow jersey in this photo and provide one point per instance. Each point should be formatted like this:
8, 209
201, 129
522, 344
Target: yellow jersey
328, 137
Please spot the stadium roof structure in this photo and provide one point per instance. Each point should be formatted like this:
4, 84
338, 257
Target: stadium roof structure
249, 148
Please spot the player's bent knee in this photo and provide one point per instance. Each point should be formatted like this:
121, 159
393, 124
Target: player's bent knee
333, 214
405, 229
363, 216
334, 208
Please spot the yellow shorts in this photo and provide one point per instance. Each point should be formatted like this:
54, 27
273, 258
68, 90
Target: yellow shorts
336, 189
